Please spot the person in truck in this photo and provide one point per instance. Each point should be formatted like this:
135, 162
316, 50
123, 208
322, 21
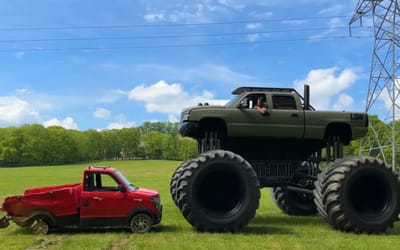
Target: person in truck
261, 105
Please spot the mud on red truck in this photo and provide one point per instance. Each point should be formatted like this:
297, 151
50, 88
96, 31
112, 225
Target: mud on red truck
105, 198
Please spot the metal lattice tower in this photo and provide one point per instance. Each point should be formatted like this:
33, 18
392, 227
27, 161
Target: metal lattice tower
384, 83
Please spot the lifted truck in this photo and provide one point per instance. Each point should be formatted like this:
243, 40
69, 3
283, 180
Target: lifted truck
242, 150
104, 199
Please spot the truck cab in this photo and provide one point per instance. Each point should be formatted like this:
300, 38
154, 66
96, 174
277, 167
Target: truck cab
109, 199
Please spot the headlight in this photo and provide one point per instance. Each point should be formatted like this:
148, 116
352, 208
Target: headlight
185, 116
156, 201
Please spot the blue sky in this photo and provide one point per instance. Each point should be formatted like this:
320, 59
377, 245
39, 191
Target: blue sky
112, 64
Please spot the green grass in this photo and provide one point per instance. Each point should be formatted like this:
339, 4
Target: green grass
270, 228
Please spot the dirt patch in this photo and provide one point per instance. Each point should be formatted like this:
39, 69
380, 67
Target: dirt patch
45, 243
122, 243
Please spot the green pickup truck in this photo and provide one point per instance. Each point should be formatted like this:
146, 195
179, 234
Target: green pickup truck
273, 137
290, 119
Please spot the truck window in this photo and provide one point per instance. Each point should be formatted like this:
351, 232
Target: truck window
251, 100
100, 182
284, 102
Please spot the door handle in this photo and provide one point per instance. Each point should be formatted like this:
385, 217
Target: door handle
97, 198
295, 115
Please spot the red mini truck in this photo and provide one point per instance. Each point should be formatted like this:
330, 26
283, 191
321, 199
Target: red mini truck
105, 198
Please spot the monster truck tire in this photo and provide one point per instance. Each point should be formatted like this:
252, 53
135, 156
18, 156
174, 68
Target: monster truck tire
293, 203
174, 181
318, 192
361, 195
218, 191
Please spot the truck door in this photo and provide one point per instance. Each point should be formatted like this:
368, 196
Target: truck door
103, 202
285, 119
246, 119
286, 116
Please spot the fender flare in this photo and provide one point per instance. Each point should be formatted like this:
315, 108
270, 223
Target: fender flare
138, 211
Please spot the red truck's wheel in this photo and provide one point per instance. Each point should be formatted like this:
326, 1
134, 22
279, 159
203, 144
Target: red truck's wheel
141, 223
40, 227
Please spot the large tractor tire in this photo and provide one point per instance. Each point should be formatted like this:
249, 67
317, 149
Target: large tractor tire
360, 194
292, 202
174, 181
297, 202
218, 191
318, 192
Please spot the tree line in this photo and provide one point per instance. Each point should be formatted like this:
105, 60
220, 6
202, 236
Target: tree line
36, 145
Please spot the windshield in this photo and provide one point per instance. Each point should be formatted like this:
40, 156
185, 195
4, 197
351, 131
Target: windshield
232, 102
125, 181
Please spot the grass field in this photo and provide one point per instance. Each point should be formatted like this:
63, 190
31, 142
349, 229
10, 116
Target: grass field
270, 229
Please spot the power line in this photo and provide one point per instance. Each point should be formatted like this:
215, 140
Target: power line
165, 25
177, 45
168, 36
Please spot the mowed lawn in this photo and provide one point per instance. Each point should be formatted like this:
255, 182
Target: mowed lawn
270, 229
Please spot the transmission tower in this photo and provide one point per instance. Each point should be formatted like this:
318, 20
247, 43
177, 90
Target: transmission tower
384, 84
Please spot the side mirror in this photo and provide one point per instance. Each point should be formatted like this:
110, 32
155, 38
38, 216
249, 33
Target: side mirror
121, 189
243, 104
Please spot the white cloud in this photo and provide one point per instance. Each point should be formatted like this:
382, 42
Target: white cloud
117, 125
253, 37
111, 96
333, 27
19, 55
193, 11
167, 98
260, 15
295, 22
327, 84
67, 123
22, 91
332, 10
215, 73
173, 118
154, 17
343, 103
102, 113
253, 26
16, 111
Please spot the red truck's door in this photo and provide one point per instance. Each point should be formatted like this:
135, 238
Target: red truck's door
102, 201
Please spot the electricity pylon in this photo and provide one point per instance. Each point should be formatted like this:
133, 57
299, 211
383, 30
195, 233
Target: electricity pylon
384, 83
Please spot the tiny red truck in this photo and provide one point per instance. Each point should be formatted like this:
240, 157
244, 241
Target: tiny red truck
105, 198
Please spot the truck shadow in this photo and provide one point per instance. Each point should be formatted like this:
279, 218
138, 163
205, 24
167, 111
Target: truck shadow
260, 225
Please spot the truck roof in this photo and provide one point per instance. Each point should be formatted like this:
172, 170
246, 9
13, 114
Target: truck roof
241, 90
99, 168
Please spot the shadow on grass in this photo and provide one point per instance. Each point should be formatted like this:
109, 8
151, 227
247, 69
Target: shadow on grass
260, 225
288, 220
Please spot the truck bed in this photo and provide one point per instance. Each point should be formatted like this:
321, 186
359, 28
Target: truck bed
61, 200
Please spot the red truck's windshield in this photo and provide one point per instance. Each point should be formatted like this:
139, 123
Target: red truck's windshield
125, 181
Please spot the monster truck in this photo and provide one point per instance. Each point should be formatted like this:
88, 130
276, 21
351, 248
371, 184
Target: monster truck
105, 198
242, 150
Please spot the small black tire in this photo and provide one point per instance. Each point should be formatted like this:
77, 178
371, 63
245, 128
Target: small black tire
40, 227
361, 195
218, 191
293, 203
141, 223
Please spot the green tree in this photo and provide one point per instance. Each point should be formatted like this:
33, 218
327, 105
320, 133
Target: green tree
153, 145
129, 140
34, 147
11, 145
